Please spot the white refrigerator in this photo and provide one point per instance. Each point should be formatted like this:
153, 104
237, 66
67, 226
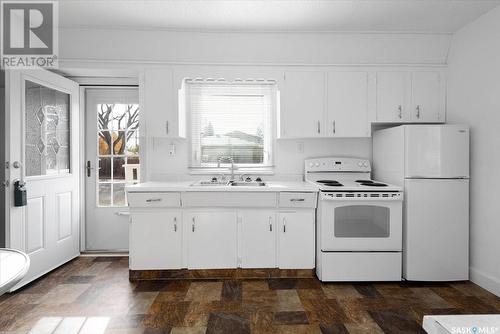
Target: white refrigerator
431, 162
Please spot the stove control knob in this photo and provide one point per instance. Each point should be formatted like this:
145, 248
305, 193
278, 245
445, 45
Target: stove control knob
360, 164
317, 164
311, 164
365, 164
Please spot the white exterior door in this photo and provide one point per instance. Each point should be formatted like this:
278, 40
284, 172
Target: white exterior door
42, 150
112, 162
437, 151
258, 241
436, 240
212, 239
296, 240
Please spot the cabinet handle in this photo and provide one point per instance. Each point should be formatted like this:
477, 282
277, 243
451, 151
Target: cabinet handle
166, 127
284, 225
192, 226
400, 111
297, 200
319, 127
334, 127
270, 224
175, 224
150, 200
418, 111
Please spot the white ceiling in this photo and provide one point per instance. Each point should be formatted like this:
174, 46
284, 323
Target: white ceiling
436, 16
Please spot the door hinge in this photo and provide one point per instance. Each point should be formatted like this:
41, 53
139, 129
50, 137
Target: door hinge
7, 164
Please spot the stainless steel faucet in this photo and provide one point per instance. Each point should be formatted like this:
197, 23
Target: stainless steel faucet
231, 161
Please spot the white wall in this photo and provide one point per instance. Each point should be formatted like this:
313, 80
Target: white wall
79, 46
474, 98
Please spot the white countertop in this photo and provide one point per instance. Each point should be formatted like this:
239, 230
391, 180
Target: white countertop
273, 186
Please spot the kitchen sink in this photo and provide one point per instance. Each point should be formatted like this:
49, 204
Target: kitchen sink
230, 183
246, 184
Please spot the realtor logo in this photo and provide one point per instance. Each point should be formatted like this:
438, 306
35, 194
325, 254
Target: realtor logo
29, 36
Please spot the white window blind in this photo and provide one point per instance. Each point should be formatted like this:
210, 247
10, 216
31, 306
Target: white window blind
231, 121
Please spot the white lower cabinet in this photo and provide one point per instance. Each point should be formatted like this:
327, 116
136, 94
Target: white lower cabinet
211, 238
170, 235
296, 239
155, 240
258, 238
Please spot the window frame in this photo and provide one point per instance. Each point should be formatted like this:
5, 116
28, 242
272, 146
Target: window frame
194, 163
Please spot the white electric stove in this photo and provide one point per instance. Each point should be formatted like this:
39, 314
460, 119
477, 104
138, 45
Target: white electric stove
359, 222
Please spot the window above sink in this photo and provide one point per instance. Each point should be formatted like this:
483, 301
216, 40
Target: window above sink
231, 119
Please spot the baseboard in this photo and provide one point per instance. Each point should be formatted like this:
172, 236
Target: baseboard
488, 282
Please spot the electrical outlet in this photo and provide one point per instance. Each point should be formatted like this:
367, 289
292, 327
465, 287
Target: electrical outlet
300, 147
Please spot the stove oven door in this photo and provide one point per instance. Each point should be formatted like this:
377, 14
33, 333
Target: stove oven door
360, 225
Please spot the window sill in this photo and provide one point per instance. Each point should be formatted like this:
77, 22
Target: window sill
226, 171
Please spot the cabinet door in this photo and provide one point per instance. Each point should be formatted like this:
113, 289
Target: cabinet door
212, 239
428, 97
296, 240
155, 240
347, 113
258, 238
302, 105
160, 111
392, 95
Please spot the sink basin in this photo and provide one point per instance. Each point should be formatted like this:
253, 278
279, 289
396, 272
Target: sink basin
247, 184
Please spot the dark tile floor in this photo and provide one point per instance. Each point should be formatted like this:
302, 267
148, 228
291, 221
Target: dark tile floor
94, 295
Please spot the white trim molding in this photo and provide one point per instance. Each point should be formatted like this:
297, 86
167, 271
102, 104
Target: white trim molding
486, 281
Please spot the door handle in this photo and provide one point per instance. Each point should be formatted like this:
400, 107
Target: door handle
334, 127
175, 224
418, 111
297, 200
270, 224
88, 168
192, 226
400, 111
319, 127
284, 225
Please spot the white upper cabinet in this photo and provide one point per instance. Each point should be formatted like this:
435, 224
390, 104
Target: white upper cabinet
428, 97
302, 106
392, 90
411, 97
159, 103
347, 108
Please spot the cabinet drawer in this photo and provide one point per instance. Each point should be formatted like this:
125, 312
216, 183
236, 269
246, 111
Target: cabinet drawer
229, 199
297, 200
152, 200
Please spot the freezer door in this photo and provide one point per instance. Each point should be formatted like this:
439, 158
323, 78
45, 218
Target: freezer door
436, 151
436, 230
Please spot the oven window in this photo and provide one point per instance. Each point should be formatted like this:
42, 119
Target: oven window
362, 221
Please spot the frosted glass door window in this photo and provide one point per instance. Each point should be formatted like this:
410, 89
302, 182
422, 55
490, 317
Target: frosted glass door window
47, 128
117, 151
362, 221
